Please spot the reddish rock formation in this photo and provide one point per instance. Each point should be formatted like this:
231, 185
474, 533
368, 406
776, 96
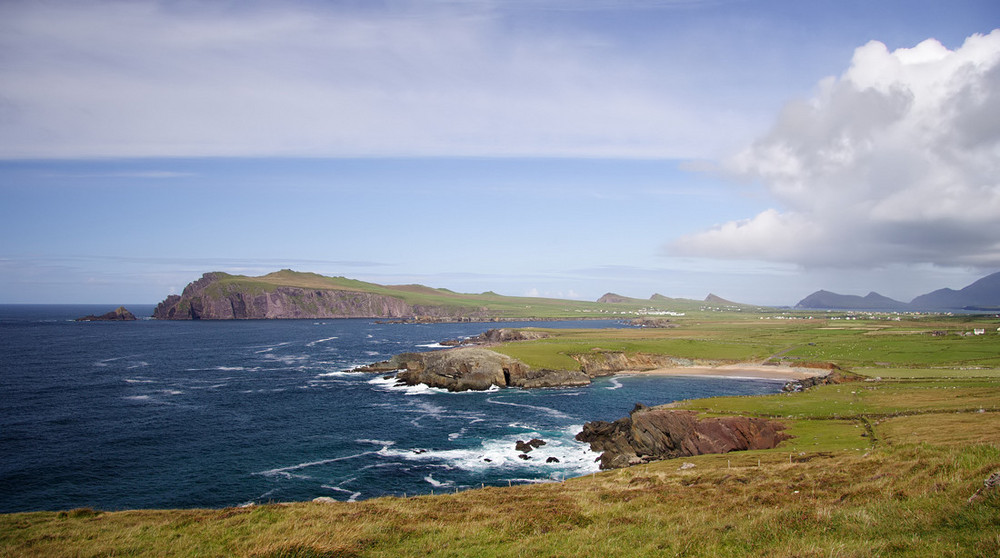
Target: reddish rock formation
650, 434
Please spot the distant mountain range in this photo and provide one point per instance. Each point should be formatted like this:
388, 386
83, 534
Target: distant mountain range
983, 294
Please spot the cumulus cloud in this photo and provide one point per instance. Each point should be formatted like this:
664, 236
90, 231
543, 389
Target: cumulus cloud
895, 161
102, 78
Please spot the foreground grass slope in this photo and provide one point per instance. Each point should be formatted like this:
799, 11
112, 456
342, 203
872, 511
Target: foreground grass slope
885, 466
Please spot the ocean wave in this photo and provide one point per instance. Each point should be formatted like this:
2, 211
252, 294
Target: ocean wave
500, 454
342, 374
392, 384
354, 495
433, 346
615, 384
383, 443
438, 484
286, 471
313, 343
272, 347
547, 410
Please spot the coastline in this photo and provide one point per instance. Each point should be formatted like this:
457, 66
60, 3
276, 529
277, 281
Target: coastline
747, 370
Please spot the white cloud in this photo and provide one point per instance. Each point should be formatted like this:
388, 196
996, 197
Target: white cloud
895, 161
149, 78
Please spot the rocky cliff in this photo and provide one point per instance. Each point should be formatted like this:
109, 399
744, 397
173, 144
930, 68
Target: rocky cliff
474, 368
650, 434
216, 297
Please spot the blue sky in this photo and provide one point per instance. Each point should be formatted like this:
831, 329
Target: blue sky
756, 150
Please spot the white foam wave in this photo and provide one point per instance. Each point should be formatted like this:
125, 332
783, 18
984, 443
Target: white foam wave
137, 397
229, 368
433, 346
547, 410
391, 384
138, 381
615, 384
383, 443
353, 494
436, 483
269, 349
285, 471
313, 343
341, 374
139, 364
500, 454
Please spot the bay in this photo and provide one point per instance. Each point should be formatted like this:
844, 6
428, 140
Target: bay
163, 414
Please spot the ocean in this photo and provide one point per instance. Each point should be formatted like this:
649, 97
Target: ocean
164, 414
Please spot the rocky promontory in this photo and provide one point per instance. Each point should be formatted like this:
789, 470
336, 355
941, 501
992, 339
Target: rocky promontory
476, 368
120, 314
220, 296
654, 433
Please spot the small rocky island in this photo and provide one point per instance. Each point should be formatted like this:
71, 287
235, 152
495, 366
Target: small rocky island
120, 314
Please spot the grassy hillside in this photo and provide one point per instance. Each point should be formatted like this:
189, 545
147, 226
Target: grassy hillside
890, 466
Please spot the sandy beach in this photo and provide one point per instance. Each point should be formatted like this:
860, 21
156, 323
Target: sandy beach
747, 370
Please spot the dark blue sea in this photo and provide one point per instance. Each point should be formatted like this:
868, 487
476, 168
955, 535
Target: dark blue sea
163, 414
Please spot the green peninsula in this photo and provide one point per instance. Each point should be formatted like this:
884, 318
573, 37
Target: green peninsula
288, 294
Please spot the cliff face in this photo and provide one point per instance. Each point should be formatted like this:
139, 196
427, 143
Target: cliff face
210, 299
650, 434
473, 368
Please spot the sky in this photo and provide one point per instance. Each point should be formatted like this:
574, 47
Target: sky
757, 150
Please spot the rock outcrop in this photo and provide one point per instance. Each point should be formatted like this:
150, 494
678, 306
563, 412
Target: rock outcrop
474, 368
605, 363
650, 434
213, 298
120, 314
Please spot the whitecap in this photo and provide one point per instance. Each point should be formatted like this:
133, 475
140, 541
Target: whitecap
436, 483
286, 470
353, 494
341, 374
392, 384
138, 381
433, 346
546, 410
500, 454
383, 443
137, 397
615, 384
313, 343
229, 368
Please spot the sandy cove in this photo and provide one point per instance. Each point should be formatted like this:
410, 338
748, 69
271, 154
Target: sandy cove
747, 370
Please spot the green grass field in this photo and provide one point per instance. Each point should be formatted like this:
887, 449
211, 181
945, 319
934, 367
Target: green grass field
882, 466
